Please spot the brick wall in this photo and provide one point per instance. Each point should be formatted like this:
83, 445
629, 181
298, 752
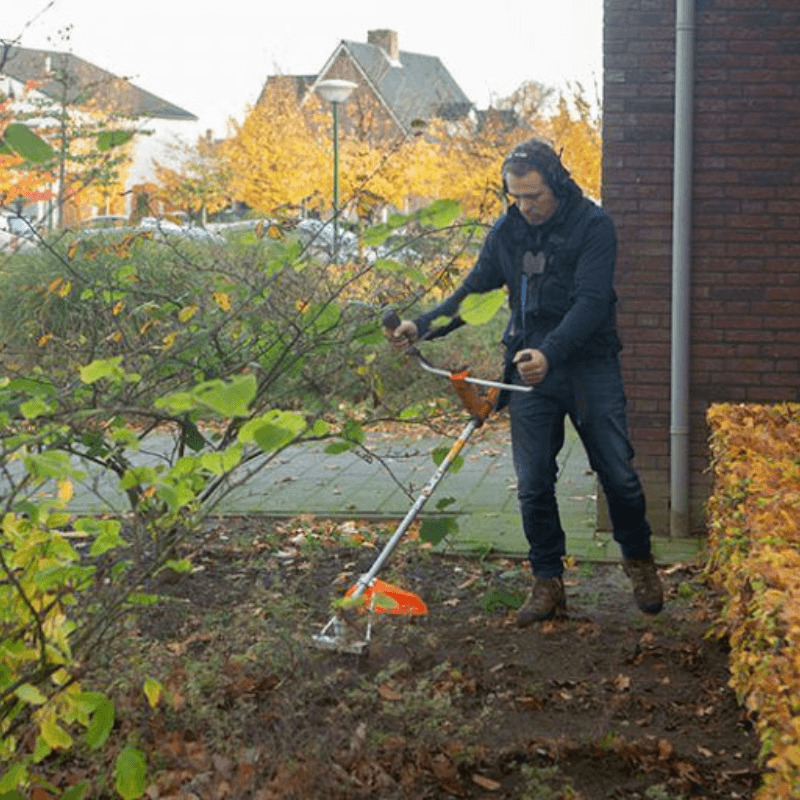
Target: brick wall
745, 305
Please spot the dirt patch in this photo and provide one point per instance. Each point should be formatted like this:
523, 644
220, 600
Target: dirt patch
608, 703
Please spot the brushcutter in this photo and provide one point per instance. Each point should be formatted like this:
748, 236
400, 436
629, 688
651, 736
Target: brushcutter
341, 634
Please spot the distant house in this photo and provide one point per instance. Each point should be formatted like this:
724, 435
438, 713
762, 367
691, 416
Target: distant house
44, 78
402, 89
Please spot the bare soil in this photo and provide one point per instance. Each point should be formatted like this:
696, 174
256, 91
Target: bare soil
459, 703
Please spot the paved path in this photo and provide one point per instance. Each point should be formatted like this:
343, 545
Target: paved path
384, 482
481, 495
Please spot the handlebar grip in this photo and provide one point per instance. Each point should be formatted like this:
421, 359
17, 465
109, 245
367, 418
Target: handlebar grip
391, 319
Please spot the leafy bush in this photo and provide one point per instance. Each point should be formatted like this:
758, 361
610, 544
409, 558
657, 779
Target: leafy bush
232, 353
754, 556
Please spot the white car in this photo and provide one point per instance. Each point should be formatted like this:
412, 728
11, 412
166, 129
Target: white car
316, 233
170, 228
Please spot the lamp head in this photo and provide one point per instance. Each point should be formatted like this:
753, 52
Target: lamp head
334, 90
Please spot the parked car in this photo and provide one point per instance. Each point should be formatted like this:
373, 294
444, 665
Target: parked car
170, 228
318, 234
17, 233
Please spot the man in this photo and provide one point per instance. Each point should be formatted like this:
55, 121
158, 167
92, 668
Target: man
555, 250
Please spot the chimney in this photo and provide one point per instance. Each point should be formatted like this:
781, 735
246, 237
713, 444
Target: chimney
387, 41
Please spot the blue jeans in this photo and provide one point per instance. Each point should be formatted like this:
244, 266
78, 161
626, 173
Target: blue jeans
592, 394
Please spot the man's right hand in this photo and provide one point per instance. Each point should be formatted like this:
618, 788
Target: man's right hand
403, 335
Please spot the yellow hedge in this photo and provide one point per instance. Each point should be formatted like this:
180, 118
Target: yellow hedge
754, 557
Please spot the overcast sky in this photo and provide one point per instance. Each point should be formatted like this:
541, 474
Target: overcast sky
213, 58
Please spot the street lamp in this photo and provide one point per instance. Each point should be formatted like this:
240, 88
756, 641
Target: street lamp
335, 92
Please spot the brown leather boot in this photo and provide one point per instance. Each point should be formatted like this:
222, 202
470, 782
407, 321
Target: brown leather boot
647, 589
546, 600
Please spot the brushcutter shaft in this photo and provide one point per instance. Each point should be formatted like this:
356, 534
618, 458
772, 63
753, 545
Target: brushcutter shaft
366, 579
391, 321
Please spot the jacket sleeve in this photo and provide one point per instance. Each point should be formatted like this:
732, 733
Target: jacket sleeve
483, 277
593, 299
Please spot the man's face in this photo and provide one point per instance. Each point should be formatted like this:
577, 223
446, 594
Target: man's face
534, 198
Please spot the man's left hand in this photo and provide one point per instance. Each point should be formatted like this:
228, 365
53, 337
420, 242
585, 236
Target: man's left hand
532, 365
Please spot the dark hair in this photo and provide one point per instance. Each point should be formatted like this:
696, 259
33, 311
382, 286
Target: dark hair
536, 154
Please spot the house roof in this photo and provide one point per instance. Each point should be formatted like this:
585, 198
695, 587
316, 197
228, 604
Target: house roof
85, 80
299, 84
413, 86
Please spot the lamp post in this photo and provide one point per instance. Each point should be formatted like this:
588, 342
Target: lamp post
335, 91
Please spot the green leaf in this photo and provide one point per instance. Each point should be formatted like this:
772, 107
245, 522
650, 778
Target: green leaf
229, 399
440, 213
13, 776
436, 529
222, 462
377, 235
130, 772
76, 792
184, 565
478, 309
48, 464
102, 723
177, 402
272, 437
102, 368
388, 265
353, 432
439, 455
31, 409
33, 387
106, 140
153, 690
24, 142
139, 599
273, 430
53, 735
319, 428
192, 436
107, 539
30, 694
335, 448
445, 502
411, 412
501, 598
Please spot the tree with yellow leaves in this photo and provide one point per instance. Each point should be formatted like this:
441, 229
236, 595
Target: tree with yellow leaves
275, 156
202, 184
577, 130
281, 155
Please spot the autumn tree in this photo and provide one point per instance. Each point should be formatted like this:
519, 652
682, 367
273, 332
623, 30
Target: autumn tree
576, 129
90, 143
281, 154
275, 156
201, 185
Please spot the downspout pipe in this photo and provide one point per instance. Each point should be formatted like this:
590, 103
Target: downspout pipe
681, 267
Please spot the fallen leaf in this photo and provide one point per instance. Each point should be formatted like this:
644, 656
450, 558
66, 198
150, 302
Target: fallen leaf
530, 702
486, 783
548, 627
621, 683
446, 773
388, 693
469, 581
665, 749
704, 751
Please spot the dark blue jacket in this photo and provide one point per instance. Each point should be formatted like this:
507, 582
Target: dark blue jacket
564, 268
